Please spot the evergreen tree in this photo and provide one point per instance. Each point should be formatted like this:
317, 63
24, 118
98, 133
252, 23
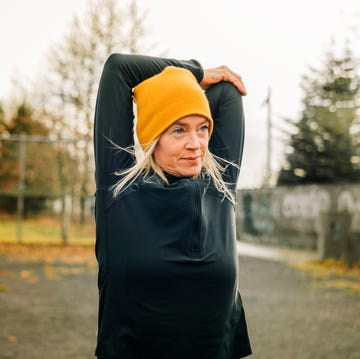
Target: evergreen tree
325, 145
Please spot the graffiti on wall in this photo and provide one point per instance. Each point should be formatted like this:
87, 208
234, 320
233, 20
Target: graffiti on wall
293, 213
259, 213
305, 204
347, 202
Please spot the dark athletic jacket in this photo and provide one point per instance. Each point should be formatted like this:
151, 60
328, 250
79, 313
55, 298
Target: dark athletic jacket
166, 254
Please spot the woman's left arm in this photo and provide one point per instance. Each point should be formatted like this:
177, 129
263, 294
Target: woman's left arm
224, 89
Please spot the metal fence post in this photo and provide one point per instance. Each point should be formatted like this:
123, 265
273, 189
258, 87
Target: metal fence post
21, 188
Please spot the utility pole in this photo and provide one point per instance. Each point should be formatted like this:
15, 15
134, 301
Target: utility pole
267, 103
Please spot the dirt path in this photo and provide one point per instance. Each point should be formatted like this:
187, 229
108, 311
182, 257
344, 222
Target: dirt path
292, 316
48, 309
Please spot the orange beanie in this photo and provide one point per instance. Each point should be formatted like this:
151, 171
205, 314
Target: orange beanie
166, 97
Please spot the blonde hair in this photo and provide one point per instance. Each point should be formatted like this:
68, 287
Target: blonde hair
146, 165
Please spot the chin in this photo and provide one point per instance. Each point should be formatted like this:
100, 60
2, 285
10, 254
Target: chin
193, 174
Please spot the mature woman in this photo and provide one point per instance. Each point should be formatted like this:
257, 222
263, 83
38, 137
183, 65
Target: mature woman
165, 235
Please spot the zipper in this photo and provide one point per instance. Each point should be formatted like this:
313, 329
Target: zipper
196, 241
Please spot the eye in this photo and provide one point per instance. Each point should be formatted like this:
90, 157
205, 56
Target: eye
204, 128
178, 131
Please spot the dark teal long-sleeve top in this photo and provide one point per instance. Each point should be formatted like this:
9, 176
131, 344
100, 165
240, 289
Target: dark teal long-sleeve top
167, 256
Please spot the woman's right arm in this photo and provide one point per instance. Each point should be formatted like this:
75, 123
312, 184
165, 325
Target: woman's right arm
114, 109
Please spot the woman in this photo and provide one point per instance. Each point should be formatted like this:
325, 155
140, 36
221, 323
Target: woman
165, 222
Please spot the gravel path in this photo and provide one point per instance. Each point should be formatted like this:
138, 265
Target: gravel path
289, 317
49, 311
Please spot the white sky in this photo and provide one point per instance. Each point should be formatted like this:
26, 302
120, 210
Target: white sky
270, 43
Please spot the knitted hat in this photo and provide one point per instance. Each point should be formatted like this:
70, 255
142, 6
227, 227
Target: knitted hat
166, 97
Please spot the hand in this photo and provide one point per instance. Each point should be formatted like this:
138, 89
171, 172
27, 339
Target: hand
222, 73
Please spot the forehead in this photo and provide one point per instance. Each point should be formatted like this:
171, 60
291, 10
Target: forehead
191, 120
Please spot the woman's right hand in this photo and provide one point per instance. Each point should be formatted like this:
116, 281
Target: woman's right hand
222, 73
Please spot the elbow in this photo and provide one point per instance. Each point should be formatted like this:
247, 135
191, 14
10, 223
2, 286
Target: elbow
115, 61
112, 60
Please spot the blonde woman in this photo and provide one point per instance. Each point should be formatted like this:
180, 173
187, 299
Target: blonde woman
165, 235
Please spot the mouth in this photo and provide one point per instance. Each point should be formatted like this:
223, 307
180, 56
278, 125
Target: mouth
191, 158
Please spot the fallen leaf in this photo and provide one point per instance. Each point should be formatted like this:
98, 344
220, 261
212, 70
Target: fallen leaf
4, 288
11, 338
72, 254
332, 274
28, 276
5, 273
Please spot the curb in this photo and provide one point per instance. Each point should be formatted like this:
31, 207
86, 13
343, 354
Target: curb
275, 253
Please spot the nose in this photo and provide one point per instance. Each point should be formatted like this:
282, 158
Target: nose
193, 142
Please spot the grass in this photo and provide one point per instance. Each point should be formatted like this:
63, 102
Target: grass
44, 236
45, 231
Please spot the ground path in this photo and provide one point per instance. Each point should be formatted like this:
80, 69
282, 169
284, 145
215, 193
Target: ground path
48, 306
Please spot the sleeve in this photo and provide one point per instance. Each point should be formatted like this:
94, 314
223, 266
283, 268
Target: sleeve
114, 109
227, 140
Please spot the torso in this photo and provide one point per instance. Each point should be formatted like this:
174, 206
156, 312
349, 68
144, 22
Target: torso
171, 262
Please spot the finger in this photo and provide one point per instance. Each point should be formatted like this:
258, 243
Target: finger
236, 80
239, 83
241, 87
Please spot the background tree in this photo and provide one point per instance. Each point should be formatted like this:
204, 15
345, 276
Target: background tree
39, 178
325, 145
75, 69
2, 117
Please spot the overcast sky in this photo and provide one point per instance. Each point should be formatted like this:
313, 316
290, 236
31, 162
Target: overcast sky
270, 43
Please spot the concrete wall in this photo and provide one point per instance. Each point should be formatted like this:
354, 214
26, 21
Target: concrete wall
293, 215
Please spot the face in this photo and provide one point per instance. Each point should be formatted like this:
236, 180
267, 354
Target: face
181, 148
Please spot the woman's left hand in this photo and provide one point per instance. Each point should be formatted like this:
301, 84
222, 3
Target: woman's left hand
222, 73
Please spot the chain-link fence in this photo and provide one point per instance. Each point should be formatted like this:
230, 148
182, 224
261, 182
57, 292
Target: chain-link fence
46, 189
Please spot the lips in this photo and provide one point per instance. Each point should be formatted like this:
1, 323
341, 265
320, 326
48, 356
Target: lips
191, 158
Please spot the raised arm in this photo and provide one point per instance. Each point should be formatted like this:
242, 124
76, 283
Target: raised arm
114, 109
227, 140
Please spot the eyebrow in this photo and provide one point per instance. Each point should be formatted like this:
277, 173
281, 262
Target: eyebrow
178, 122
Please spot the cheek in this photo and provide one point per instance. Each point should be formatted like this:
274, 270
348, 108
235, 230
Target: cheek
163, 154
204, 143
